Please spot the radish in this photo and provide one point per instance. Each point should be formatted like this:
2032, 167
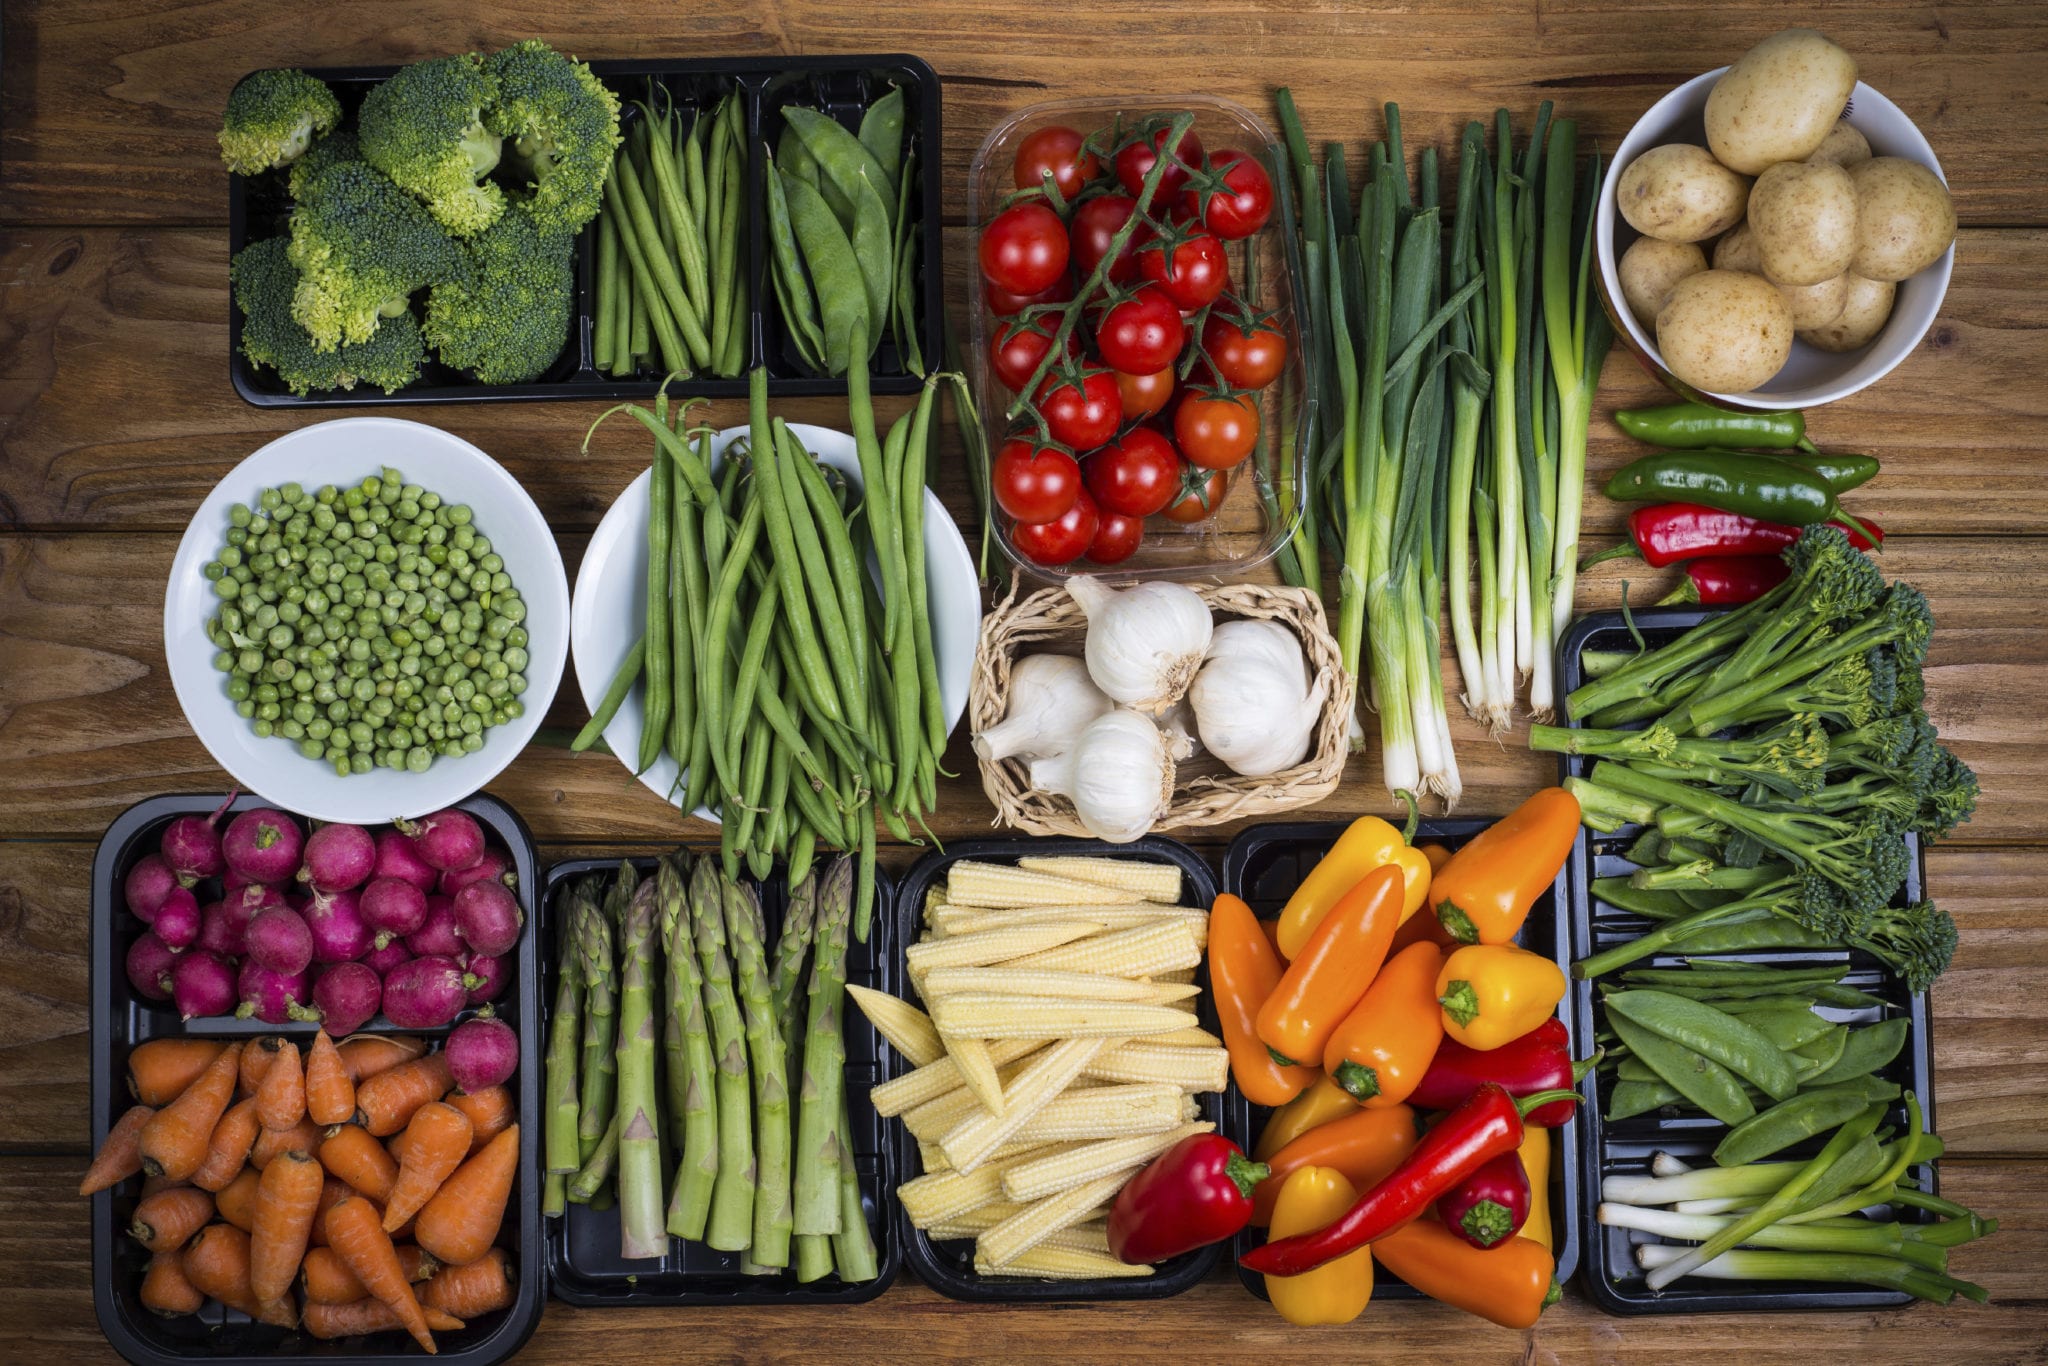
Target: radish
485, 975
192, 847
338, 857
481, 1053
424, 993
147, 884
149, 966
392, 907
264, 844
385, 957
222, 930
339, 931
494, 866
397, 858
280, 940
177, 920
447, 840
346, 997
487, 917
438, 935
255, 896
267, 995
202, 983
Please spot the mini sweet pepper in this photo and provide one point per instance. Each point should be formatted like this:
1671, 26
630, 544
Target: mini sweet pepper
1493, 994
1337, 1291
1368, 843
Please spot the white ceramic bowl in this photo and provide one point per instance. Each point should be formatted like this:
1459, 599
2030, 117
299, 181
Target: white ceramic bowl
1810, 377
344, 452
610, 609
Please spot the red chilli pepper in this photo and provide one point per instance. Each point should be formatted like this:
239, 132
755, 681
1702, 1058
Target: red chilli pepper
1665, 533
1540, 1060
1486, 1126
1195, 1193
1727, 580
1490, 1205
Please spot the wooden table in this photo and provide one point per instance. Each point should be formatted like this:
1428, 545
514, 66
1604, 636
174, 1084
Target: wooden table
118, 418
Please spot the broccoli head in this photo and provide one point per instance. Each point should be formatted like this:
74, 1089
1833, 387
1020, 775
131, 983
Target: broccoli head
362, 246
561, 126
424, 128
507, 321
338, 146
272, 117
264, 280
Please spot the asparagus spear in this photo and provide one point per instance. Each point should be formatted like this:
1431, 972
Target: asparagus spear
675, 1061
748, 930
813, 1254
690, 1201
642, 1231
597, 1168
853, 1246
817, 1141
554, 1195
731, 1224
791, 948
564, 1149
599, 1071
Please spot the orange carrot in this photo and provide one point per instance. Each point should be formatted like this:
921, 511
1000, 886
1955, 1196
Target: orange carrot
152, 1184
256, 1060
436, 1143
285, 1205
160, 1068
371, 1316
491, 1111
475, 1288
217, 1263
166, 1291
305, 1136
332, 1193
227, 1152
385, 1102
281, 1095
461, 1222
355, 1231
236, 1201
327, 1279
165, 1220
330, 1095
175, 1138
350, 1153
365, 1055
120, 1156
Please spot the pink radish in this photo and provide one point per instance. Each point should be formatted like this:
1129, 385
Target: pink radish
267, 995
392, 906
202, 983
487, 917
383, 958
338, 857
192, 847
280, 940
264, 844
485, 975
494, 866
223, 931
339, 931
177, 919
481, 1053
346, 997
438, 935
149, 964
146, 886
397, 858
447, 840
424, 993
256, 896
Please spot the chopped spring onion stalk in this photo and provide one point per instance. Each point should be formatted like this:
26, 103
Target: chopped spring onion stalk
1869, 1237
1706, 1183
1664, 1164
1748, 1264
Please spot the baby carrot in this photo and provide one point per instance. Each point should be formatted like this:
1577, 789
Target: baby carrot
356, 1234
386, 1101
305, 1136
216, 1261
175, 1138
436, 1142
365, 1055
165, 1220
285, 1205
474, 1288
160, 1068
166, 1291
227, 1152
332, 1193
256, 1060
330, 1094
281, 1095
236, 1201
350, 1153
327, 1279
461, 1222
370, 1316
120, 1156
490, 1112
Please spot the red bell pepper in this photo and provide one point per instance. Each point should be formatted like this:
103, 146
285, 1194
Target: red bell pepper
1540, 1060
1490, 1205
1486, 1126
1727, 580
1195, 1193
1665, 533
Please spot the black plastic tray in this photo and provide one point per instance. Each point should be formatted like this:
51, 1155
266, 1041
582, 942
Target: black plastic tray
839, 86
1263, 866
1612, 1277
947, 1266
584, 1266
120, 1020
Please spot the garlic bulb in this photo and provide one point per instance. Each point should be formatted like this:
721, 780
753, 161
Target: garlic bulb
1051, 699
1178, 726
1117, 773
1144, 643
1253, 705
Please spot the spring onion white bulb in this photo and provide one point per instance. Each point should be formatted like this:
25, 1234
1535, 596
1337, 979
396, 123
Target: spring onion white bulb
1051, 699
1253, 705
1117, 773
1144, 643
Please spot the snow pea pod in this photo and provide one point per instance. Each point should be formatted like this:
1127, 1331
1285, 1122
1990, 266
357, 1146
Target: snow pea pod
1618, 893
1632, 1098
1821, 1053
840, 158
1790, 1121
842, 294
1865, 1051
873, 252
881, 132
1788, 1029
1715, 1034
1699, 1079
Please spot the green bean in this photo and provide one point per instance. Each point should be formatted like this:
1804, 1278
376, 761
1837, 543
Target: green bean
621, 190
602, 335
1715, 1034
915, 451
847, 577
1701, 1080
675, 216
1865, 1051
783, 552
695, 190
799, 306
753, 779
650, 190
875, 463
881, 132
816, 778
723, 599
639, 327
623, 679
771, 835
1742, 934
724, 295
1726, 975
835, 275
1632, 1098
662, 287
864, 877
1849, 998
660, 660
754, 654
735, 359
1750, 1004
682, 717
875, 253
690, 563
802, 850
1788, 1029
903, 311
689, 466
1790, 1121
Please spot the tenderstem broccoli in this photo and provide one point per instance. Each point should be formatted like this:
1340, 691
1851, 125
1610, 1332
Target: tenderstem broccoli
1790, 760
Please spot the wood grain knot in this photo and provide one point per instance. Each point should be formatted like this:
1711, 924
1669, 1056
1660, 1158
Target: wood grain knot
67, 255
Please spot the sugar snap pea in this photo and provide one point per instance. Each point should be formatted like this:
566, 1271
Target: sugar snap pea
1746, 935
793, 291
881, 132
1790, 1121
1866, 1050
1728, 975
1722, 1037
835, 274
1701, 1080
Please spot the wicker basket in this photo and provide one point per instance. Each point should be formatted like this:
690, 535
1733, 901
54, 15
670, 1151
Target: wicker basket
1205, 791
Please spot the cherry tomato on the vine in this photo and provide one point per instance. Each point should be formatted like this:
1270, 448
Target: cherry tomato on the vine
1016, 349
1134, 163
1216, 431
1034, 483
1054, 150
1081, 406
1141, 334
1248, 353
1095, 225
1024, 249
1200, 497
1003, 303
1144, 395
1136, 475
1239, 209
1065, 538
1116, 538
1190, 266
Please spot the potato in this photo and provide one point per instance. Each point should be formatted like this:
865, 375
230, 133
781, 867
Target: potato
1844, 146
1650, 269
1738, 251
1804, 218
1779, 101
1816, 305
1905, 219
1679, 193
1725, 332
1865, 310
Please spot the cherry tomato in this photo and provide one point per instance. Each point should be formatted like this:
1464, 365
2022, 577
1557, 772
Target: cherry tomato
1191, 268
1055, 150
1034, 483
1024, 249
1095, 224
1242, 207
1144, 395
1200, 497
1245, 359
1116, 538
1065, 538
1216, 431
1003, 303
1141, 334
1134, 163
1081, 406
1016, 349
1136, 475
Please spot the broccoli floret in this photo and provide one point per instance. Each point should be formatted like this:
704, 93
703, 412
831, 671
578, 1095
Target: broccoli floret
508, 321
560, 124
1948, 798
264, 281
362, 247
1881, 746
338, 146
272, 117
1916, 942
1788, 759
424, 128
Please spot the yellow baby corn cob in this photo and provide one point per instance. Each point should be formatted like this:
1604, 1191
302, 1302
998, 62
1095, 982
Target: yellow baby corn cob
941, 1076
986, 1015
1034, 982
970, 1142
995, 946
1107, 1112
1146, 951
1063, 1264
1021, 1232
908, 1029
994, 884
1154, 881
1035, 1178
1146, 1060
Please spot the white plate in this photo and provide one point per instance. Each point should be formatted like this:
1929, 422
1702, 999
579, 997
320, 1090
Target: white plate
343, 452
610, 609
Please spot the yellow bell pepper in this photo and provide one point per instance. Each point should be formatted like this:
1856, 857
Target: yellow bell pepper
1324, 1101
1493, 994
1337, 1291
1535, 1155
1367, 844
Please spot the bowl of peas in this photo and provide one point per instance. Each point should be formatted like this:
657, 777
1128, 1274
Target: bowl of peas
366, 620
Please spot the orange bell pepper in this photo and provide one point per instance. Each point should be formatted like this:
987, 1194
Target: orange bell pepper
1364, 1145
1510, 1283
1368, 843
1321, 1103
1243, 970
1493, 994
1333, 969
1337, 1291
1383, 1047
1535, 1155
1484, 893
